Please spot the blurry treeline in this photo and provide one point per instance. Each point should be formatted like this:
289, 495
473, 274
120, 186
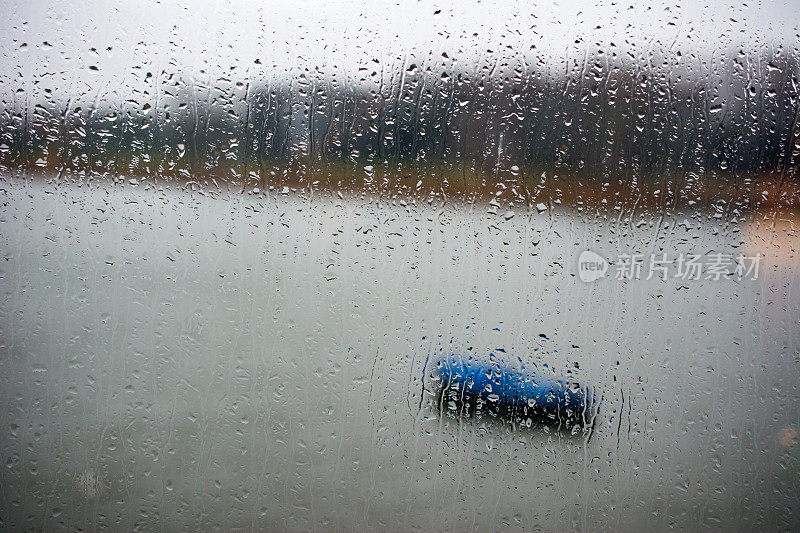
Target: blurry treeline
598, 116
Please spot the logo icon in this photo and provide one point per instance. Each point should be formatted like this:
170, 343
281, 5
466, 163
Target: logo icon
591, 266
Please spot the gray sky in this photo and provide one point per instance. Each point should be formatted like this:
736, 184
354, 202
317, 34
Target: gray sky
205, 39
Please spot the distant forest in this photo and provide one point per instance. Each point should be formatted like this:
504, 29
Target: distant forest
600, 119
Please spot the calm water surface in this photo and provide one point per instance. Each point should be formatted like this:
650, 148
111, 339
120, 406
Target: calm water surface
179, 360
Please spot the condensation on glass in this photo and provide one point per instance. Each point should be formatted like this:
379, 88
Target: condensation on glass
423, 266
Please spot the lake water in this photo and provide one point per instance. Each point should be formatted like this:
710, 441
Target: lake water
188, 360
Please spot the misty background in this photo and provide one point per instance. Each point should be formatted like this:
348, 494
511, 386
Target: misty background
614, 92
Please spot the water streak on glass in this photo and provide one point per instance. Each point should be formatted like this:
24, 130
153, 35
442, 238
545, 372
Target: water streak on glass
316, 266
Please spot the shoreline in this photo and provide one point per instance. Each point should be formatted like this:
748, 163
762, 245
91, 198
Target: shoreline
533, 189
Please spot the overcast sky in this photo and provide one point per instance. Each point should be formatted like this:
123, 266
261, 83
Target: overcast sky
206, 39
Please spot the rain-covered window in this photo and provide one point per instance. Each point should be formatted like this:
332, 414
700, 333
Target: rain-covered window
410, 266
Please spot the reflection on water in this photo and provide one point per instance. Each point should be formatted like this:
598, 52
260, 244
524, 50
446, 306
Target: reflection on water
189, 361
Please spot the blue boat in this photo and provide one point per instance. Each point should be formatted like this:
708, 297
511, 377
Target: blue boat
474, 385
